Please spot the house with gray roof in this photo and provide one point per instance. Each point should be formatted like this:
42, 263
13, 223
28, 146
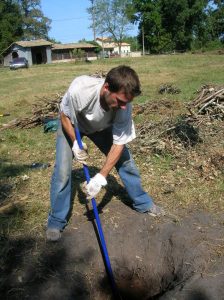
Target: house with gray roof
36, 52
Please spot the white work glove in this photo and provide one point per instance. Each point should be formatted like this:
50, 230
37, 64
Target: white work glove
92, 188
79, 154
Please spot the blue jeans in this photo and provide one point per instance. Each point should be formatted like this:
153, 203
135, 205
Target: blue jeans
61, 184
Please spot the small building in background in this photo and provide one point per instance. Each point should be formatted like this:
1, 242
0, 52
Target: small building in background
111, 48
64, 52
44, 52
36, 52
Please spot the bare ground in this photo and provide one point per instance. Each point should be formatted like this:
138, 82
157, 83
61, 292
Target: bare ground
151, 259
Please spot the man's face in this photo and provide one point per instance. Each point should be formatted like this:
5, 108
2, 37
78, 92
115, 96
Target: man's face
116, 100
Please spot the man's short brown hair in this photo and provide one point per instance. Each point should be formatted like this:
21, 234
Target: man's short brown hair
123, 78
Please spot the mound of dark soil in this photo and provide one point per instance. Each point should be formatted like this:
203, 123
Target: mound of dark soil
151, 259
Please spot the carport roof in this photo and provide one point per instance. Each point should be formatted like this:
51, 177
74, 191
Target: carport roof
72, 46
34, 43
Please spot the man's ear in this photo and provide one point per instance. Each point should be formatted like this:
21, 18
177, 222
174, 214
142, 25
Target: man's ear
106, 86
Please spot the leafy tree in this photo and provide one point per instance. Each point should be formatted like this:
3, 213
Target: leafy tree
53, 40
181, 19
35, 24
110, 17
169, 24
91, 10
133, 41
10, 23
78, 53
216, 19
148, 14
94, 43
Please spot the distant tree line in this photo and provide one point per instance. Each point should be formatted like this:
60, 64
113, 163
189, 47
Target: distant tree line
182, 25
164, 25
22, 20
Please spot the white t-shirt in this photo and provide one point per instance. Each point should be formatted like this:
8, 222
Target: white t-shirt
81, 103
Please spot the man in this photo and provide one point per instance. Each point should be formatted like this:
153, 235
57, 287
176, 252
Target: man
102, 111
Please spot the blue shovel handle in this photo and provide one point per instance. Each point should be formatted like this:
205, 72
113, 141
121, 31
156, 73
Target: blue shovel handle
99, 227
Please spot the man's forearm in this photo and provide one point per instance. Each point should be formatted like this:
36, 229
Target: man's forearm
112, 158
68, 127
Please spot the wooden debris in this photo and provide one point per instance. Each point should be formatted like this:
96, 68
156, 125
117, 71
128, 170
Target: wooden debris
168, 89
161, 105
99, 74
9, 208
210, 102
43, 109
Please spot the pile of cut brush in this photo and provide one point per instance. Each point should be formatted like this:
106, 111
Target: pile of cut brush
176, 133
209, 102
99, 74
168, 89
42, 110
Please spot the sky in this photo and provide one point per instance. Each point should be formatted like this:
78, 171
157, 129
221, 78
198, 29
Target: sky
70, 20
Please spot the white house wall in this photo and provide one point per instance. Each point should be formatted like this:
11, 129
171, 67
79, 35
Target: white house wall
112, 47
124, 49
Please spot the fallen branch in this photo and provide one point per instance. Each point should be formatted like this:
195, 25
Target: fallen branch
43, 109
210, 105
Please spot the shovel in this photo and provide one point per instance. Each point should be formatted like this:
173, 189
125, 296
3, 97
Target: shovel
99, 228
